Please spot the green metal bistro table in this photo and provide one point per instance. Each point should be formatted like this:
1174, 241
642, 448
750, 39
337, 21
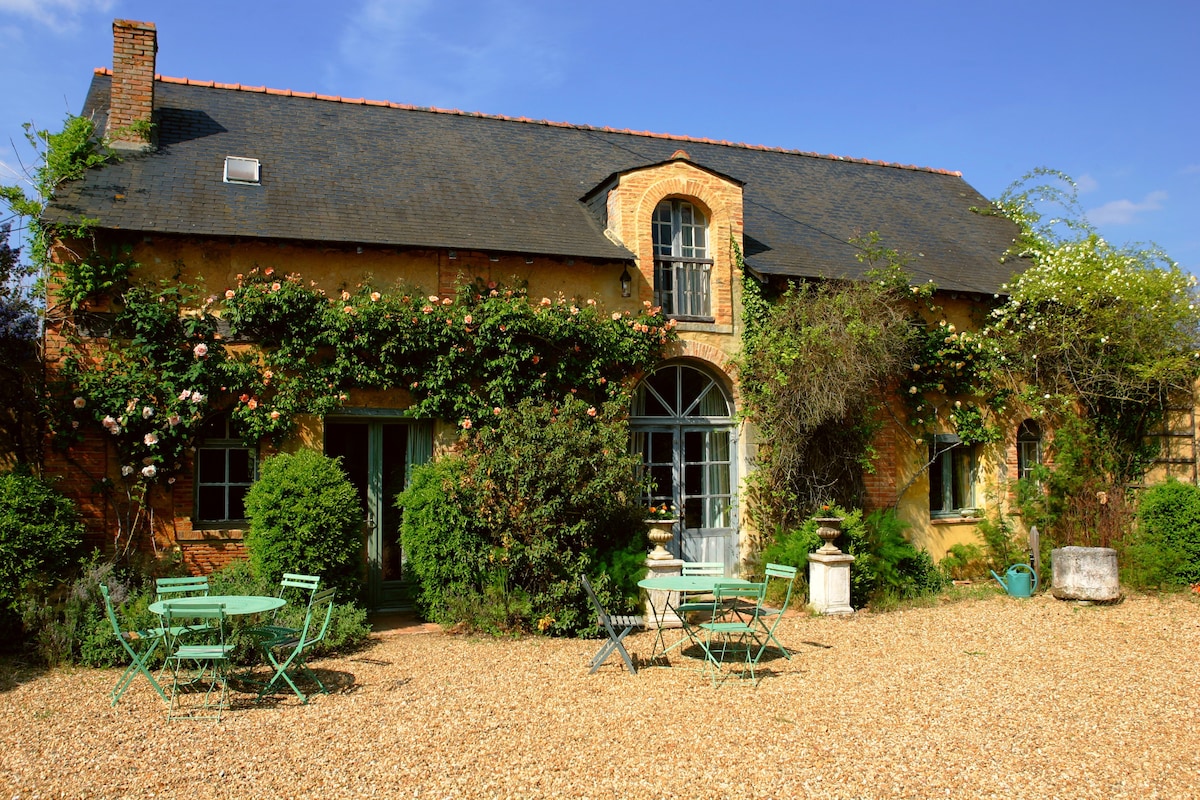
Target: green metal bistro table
669, 586
235, 604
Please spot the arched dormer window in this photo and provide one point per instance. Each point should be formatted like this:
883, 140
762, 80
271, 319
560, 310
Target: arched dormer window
682, 267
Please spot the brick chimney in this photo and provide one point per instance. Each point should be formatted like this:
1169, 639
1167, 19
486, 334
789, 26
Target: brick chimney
132, 96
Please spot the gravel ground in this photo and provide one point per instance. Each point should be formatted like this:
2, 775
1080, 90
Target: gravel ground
983, 698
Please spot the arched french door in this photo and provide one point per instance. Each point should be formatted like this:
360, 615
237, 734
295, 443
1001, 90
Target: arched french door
682, 425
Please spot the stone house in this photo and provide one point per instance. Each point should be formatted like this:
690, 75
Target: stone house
231, 177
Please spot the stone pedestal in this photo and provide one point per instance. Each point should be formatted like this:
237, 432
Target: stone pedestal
829, 582
1085, 573
657, 599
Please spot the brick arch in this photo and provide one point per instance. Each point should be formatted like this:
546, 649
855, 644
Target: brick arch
715, 361
689, 189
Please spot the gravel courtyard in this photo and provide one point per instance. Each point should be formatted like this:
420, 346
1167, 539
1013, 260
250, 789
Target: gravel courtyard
993, 697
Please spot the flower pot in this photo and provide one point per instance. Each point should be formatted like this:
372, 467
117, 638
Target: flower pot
661, 532
829, 529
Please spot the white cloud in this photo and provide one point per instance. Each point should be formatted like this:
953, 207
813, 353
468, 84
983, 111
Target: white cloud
1086, 183
1122, 212
450, 52
55, 14
1191, 169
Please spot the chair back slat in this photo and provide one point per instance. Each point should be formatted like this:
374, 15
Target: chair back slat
714, 569
297, 581
181, 587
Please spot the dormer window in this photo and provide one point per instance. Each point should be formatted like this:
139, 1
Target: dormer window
682, 268
242, 170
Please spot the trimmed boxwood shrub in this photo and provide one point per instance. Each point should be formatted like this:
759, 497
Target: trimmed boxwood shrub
305, 516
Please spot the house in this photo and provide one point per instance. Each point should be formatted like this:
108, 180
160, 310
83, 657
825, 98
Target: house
225, 178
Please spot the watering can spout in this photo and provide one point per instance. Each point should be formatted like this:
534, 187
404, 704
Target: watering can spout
1019, 581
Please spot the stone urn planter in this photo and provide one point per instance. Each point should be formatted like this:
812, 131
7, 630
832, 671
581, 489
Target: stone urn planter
829, 529
661, 532
1085, 573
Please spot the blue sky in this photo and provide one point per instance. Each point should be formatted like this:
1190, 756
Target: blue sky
1105, 91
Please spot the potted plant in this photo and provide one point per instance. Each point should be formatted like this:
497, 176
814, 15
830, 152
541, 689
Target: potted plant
661, 520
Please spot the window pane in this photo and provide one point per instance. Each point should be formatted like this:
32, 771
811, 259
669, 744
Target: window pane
241, 466
963, 494
210, 503
237, 502
210, 465
937, 500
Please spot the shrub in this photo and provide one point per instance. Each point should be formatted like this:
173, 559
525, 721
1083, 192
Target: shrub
305, 516
1165, 551
886, 565
40, 536
546, 492
964, 562
446, 548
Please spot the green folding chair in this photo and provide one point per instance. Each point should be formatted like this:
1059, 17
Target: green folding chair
736, 637
295, 586
696, 602
769, 617
140, 645
205, 666
288, 654
606, 622
174, 588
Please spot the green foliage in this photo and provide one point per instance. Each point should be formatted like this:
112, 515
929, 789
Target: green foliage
1081, 500
444, 541
964, 562
887, 566
40, 535
1000, 543
460, 357
146, 387
545, 493
812, 372
1164, 551
305, 516
1109, 334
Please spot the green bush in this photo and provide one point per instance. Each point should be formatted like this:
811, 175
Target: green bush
305, 516
40, 538
964, 562
544, 493
1165, 548
886, 565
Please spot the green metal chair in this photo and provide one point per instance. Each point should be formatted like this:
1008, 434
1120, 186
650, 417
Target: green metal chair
205, 665
288, 654
696, 602
295, 586
769, 617
606, 622
738, 635
146, 641
174, 588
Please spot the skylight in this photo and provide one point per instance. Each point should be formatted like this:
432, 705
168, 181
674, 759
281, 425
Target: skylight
241, 170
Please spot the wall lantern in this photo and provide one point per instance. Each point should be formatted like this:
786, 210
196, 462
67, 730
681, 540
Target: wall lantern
626, 282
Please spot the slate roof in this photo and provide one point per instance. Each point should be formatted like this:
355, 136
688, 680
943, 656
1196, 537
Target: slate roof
369, 173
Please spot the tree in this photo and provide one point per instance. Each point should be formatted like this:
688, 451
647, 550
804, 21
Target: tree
1107, 336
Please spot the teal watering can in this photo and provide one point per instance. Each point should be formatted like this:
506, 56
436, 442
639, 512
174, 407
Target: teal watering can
1016, 580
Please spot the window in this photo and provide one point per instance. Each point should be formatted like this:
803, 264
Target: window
681, 263
225, 468
951, 477
1029, 449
